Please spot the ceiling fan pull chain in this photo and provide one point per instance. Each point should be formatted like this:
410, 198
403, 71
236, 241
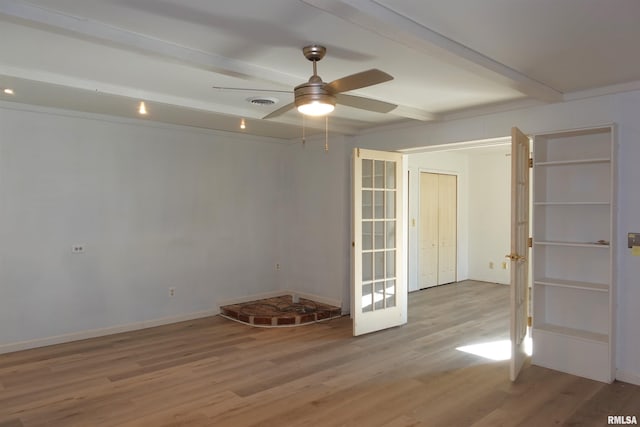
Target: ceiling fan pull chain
303, 125
326, 134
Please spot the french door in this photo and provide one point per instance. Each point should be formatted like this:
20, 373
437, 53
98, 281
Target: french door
379, 290
519, 247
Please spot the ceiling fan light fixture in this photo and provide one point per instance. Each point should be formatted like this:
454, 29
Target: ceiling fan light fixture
313, 98
316, 108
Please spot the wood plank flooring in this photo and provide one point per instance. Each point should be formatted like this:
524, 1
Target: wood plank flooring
215, 372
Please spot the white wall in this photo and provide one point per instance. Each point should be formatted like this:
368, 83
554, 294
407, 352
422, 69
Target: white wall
154, 206
447, 162
489, 214
317, 240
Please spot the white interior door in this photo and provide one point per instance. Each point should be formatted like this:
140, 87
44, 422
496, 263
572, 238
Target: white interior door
438, 229
379, 289
519, 248
428, 230
447, 228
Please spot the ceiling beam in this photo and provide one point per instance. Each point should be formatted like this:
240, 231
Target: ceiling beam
414, 113
108, 35
117, 37
377, 18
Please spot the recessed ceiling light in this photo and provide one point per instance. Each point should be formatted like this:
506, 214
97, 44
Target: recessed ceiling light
142, 109
8, 91
243, 125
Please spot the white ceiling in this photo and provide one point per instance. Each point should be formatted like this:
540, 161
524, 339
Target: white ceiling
448, 58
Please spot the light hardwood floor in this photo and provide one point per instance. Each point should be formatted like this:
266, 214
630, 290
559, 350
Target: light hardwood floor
214, 372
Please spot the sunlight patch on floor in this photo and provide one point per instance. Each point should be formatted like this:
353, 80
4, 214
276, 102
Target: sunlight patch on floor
494, 350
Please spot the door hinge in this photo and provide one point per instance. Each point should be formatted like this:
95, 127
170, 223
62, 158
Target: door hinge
530, 242
358, 152
529, 321
530, 162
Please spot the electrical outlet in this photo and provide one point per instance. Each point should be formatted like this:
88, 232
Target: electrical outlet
77, 249
172, 292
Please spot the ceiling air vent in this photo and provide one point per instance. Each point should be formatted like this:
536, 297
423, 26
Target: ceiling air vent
261, 100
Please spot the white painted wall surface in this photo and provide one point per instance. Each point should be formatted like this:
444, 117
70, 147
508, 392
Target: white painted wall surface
316, 219
489, 214
154, 206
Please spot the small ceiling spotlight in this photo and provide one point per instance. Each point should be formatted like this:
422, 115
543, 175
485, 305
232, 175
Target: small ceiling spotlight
9, 91
243, 125
142, 109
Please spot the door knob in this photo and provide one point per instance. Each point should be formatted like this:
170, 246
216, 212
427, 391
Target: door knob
516, 257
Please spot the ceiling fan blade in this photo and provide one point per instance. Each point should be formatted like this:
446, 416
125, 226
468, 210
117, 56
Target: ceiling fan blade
365, 103
280, 111
250, 89
359, 80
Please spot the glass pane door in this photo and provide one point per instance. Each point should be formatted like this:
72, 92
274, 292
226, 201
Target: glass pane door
379, 291
379, 195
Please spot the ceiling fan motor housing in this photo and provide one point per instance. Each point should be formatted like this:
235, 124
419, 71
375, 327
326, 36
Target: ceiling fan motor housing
313, 91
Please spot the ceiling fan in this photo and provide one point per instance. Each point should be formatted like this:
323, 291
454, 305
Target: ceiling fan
317, 98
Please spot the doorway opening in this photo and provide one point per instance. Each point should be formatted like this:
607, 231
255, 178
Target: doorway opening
481, 180
478, 216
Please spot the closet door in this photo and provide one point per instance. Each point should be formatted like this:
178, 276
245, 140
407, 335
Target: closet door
438, 229
428, 230
447, 201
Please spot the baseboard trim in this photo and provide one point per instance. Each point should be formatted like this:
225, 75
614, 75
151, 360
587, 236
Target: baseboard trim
94, 333
324, 300
627, 377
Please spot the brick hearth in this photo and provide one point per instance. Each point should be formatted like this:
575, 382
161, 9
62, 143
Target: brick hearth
280, 311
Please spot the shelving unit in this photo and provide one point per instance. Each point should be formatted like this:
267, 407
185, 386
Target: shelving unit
573, 252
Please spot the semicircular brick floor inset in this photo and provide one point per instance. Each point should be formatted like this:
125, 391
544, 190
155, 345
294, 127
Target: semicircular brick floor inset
280, 311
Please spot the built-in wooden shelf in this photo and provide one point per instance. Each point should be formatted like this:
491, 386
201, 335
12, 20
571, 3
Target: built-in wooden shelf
574, 244
585, 203
572, 162
573, 252
598, 287
575, 333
